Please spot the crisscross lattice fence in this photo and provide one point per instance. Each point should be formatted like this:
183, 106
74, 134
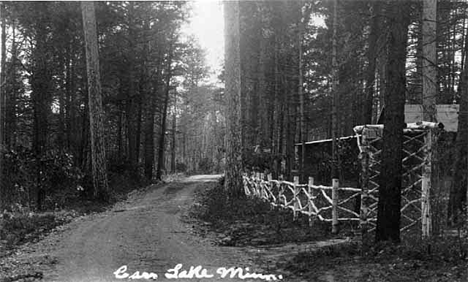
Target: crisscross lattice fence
334, 203
416, 162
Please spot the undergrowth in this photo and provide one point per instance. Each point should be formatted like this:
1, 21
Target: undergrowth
16, 229
413, 259
20, 225
252, 221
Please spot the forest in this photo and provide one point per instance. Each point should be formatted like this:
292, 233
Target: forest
341, 125
158, 114
94, 94
302, 71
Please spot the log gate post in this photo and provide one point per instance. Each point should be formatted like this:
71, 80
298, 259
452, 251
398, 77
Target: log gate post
335, 185
426, 216
296, 196
310, 200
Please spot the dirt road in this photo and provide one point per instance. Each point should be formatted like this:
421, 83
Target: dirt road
146, 234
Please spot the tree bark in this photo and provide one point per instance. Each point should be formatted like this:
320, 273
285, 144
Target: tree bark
162, 137
335, 98
233, 178
11, 96
372, 59
96, 114
138, 129
262, 88
335, 166
4, 199
173, 143
132, 107
301, 25
40, 96
150, 124
459, 187
72, 129
429, 63
388, 215
429, 89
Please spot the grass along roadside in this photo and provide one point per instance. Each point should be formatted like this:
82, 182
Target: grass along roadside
22, 226
250, 221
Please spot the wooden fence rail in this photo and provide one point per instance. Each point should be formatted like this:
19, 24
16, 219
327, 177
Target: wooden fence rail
334, 203
314, 201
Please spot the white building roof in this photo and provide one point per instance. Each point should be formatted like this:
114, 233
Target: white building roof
446, 114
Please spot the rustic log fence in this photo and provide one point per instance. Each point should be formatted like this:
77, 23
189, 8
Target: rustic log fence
335, 204
417, 173
315, 201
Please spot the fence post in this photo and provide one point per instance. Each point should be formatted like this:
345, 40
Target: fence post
311, 199
335, 185
269, 187
280, 189
295, 196
363, 220
257, 184
244, 183
426, 184
260, 185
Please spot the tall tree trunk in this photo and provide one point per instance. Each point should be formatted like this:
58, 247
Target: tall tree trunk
429, 64
173, 143
3, 79
149, 142
149, 136
61, 126
429, 89
335, 98
72, 129
68, 93
162, 137
335, 106
233, 178
119, 133
302, 101
388, 215
11, 96
371, 58
289, 118
302, 28
463, 46
263, 107
150, 124
184, 147
4, 199
459, 187
96, 114
131, 119
278, 118
138, 128
132, 108
40, 85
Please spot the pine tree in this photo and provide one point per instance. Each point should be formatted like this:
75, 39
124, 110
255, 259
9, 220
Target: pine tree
233, 180
388, 215
98, 153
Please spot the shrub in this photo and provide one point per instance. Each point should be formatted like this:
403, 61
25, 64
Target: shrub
181, 167
205, 165
55, 172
